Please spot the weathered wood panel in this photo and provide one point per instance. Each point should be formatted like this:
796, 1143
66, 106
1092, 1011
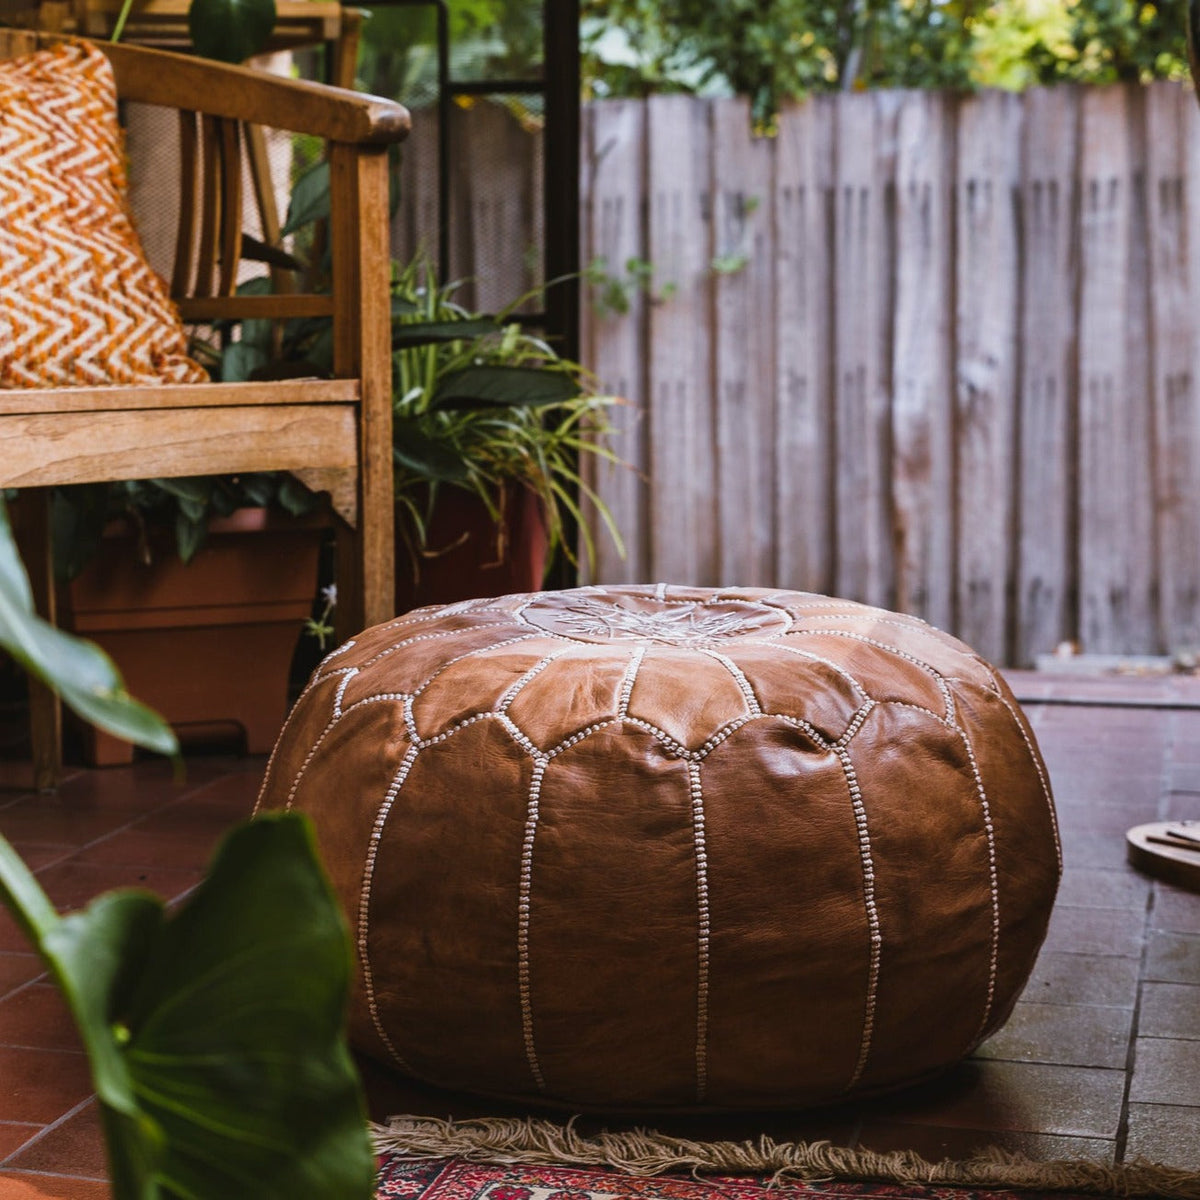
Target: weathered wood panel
803, 458
1115, 536
956, 374
1173, 312
615, 348
679, 349
1045, 514
989, 158
922, 362
863, 547
744, 284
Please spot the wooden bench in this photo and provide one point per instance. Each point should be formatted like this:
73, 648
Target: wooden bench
337, 429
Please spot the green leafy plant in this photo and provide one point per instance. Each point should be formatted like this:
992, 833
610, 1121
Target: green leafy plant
214, 1034
482, 404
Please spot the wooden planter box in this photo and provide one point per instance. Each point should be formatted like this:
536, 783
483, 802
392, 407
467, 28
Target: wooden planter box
208, 644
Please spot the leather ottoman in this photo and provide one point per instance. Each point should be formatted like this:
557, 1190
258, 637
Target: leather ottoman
652, 848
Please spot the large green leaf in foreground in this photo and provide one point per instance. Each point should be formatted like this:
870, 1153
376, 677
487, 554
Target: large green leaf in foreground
215, 1033
80, 672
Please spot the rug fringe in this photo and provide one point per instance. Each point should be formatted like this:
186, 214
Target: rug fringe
645, 1152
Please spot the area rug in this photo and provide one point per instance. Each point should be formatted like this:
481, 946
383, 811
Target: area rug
497, 1159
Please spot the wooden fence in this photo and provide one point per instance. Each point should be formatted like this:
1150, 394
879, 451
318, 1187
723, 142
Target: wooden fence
954, 373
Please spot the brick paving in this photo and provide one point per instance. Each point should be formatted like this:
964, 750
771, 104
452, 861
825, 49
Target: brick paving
1101, 1058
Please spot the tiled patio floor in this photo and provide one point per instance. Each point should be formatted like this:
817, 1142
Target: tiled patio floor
1101, 1058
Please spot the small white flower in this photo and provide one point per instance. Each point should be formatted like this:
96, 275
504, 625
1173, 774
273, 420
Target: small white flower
329, 595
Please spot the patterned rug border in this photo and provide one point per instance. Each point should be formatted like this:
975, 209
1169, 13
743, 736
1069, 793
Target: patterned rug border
645, 1152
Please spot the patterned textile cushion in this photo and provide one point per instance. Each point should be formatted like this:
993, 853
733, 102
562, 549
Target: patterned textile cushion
78, 303
650, 847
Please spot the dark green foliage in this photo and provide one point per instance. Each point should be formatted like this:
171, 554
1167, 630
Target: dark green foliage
776, 50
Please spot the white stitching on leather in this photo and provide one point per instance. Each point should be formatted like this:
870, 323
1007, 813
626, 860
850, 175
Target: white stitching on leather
994, 883
523, 908
696, 792
739, 677
626, 693
364, 901
1035, 759
875, 937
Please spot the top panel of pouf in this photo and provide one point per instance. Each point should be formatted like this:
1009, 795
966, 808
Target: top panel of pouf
690, 663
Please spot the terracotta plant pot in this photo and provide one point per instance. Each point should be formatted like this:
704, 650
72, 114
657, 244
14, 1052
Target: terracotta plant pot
467, 555
207, 644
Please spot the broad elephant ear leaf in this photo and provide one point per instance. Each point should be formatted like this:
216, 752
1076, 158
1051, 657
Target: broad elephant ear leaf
230, 30
216, 1034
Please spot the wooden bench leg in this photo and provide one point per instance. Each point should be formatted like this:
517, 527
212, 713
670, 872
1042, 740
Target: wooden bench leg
45, 709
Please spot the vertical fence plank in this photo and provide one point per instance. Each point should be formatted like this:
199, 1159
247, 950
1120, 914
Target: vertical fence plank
1047, 412
1115, 533
1176, 409
614, 180
861, 360
682, 459
743, 263
803, 395
922, 361
989, 160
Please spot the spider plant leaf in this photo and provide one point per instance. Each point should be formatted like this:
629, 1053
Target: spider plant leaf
504, 387
425, 333
230, 30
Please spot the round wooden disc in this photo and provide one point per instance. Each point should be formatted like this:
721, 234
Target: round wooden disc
1175, 864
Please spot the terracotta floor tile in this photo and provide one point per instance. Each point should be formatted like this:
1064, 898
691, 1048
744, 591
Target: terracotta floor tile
13, 1135
1095, 849
37, 1016
1170, 1010
1102, 931
937, 1142
1022, 1097
1063, 1033
24, 1185
1083, 979
1175, 910
41, 1085
50, 821
75, 1146
72, 884
1164, 1134
136, 846
11, 938
16, 970
142, 787
1166, 1071
1173, 957
1093, 887
35, 857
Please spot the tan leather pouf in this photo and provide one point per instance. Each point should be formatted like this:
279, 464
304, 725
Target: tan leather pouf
651, 847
